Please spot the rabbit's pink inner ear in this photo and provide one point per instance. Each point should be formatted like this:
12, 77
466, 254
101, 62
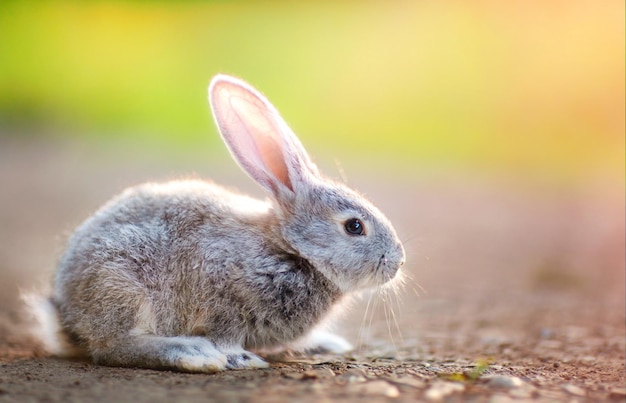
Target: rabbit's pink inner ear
264, 132
252, 132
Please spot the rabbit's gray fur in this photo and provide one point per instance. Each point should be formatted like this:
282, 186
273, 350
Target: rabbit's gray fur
185, 274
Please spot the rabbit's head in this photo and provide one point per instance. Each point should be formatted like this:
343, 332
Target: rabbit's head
334, 228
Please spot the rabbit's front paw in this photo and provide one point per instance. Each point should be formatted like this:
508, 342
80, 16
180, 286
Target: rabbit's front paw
321, 341
237, 358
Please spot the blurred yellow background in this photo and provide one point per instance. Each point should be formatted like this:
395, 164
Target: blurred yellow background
528, 88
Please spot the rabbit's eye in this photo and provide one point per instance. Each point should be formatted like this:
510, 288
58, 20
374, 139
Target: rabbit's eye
354, 226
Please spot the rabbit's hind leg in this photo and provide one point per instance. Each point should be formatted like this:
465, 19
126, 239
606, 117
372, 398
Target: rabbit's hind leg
188, 354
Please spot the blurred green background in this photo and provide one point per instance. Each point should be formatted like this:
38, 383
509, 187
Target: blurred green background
519, 87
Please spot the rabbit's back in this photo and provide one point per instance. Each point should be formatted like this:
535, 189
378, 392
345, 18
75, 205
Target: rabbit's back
146, 223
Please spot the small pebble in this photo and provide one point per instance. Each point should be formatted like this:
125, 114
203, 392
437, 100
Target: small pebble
318, 387
430, 367
501, 399
439, 390
574, 390
375, 388
504, 382
320, 373
355, 375
523, 393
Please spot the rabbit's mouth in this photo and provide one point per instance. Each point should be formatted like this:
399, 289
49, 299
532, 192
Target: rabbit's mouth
387, 268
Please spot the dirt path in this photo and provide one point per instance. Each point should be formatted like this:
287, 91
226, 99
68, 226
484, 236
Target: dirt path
477, 355
520, 296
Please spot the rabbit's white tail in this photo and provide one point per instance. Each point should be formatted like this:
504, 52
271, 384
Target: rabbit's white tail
45, 326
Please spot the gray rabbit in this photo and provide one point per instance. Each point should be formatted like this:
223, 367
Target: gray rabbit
187, 276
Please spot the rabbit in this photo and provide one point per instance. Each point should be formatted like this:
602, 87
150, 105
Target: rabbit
189, 276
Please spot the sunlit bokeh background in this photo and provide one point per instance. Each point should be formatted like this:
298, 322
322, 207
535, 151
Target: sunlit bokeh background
531, 87
465, 121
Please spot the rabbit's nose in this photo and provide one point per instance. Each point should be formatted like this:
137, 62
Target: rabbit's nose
401, 254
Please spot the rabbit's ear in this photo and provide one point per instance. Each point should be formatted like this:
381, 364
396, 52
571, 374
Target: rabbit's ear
259, 139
